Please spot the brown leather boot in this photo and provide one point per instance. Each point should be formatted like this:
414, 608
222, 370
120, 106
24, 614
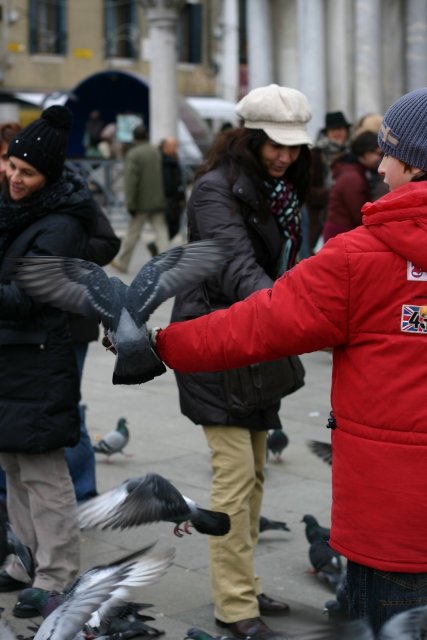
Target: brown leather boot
251, 628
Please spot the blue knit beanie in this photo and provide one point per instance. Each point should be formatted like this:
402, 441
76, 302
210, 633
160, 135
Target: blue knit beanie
403, 132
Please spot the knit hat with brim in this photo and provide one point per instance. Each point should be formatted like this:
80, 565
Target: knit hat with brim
281, 112
43, 143
403, 132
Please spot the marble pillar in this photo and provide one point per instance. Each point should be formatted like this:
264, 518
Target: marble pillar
260, 45
367, 75
228, 87
162, 17
416, 44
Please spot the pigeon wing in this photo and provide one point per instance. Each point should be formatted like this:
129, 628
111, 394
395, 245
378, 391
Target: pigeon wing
150, 499
97, 587
172, 272
95, 512
322, 449
70, 284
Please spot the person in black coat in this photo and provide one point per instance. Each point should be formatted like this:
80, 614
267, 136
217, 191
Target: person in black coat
101, 248
249, 192
44, 210
173, 181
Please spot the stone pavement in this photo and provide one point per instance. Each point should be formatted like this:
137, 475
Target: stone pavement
163, 441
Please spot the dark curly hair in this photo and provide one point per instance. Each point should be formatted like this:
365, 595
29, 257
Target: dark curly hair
239, 150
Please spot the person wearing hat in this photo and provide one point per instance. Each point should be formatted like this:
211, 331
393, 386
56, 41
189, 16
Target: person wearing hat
44, 210
332, 143
365, 295
248, 192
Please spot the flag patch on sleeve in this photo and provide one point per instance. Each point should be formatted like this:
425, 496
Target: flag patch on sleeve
413, 319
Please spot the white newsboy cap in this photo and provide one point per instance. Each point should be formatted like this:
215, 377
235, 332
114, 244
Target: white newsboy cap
281, 112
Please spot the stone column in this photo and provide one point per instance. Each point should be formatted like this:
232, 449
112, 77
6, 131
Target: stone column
260, 46
416, 44
162, 16
311, 55
367, 72
338, 56
229, 65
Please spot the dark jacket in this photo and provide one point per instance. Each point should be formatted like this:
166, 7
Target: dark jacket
101, 248
39, 383
217, 209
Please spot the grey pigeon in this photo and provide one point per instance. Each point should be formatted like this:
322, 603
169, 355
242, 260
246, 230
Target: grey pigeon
327, 563
150, 498
265, 524
84, 287
115, 441
322, 449
194, 633
277, 440
10, 544
313, 530
99, 589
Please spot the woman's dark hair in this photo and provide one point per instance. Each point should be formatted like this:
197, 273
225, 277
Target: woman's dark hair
239, 150
8, 131
364, 143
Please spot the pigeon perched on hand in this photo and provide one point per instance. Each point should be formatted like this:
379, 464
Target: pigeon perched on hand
94, 593
83, 287
115, 441
150, 498
265, 524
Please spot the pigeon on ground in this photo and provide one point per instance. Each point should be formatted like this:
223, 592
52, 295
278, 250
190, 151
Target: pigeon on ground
313, 530
199, 634
10, 544
84, 287
127, 619
115, 441
265, 524
150, 498
97, 590
277, 440
322, 449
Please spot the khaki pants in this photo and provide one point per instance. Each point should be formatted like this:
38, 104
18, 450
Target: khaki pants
238, 458
133, 233
43, 513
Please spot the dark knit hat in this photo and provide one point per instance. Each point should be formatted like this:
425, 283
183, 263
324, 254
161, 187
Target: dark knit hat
403, 132
43, 143
336, 120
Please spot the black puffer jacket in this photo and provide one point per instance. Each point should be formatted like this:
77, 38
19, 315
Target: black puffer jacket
217, 209
39, 385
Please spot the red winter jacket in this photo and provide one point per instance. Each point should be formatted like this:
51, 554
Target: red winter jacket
364, 294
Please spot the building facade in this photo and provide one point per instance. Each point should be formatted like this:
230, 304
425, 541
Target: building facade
357, 56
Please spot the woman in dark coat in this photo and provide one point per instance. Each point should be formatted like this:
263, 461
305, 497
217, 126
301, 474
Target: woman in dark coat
248, 191
44, 210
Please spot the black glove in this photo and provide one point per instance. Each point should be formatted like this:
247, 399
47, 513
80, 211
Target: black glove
132, 212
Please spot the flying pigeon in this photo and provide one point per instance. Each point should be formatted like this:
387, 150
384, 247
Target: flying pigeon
322, 449
150, 498
277, 440
97, 590
83, 287
265, 524
115, 441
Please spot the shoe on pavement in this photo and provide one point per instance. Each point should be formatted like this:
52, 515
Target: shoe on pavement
251, 628
270, 607
7, 583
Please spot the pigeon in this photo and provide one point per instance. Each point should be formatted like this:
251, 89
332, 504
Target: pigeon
322, 449
115, 441
97, 590
277, 440
313, 530
265, 524
125, 619
10, 544
194, 633
83, 287
150, 498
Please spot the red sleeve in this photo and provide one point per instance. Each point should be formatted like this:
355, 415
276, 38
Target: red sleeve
305, 310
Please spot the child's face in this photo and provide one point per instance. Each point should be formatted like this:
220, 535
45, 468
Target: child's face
395, 173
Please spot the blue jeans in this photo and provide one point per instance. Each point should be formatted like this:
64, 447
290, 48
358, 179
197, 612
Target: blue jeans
81, 458
379, 595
